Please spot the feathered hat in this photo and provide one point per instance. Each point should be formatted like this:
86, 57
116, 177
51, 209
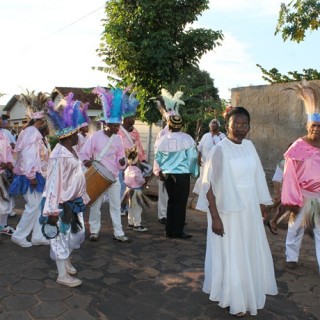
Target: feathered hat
169, 105
35, 104
111, 100
65, 117
129, 105
84, 119
309, 93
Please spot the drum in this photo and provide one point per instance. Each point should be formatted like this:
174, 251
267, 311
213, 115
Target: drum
99, 179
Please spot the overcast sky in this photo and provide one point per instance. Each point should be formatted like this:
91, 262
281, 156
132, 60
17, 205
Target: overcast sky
53, 43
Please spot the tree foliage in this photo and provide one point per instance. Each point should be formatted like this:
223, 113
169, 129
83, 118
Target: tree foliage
148, 43
274, 76
297, 17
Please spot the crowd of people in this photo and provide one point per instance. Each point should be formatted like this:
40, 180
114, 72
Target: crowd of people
231, 185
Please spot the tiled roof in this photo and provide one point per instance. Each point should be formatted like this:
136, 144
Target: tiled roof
82, 94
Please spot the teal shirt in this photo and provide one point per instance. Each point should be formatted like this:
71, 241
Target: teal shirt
179, 162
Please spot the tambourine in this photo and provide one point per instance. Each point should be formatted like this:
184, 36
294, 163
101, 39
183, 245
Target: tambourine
50, 231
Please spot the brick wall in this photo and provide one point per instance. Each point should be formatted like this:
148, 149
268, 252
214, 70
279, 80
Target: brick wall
277, 119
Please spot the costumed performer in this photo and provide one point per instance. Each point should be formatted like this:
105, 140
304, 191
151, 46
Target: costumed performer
301, 189
168, 105
65, 194
177, 157
28, 180
106, 147
6, 163
134, 179
130, 137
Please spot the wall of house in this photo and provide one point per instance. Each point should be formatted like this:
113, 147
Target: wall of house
277, 119
148, 136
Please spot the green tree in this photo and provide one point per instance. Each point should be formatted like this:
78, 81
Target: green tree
274, 76
297, 17
149, 43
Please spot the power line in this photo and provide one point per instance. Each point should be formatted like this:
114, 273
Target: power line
59, 30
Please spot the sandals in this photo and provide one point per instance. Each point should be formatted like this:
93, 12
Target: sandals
272, 230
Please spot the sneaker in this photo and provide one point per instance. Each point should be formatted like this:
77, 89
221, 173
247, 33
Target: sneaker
70, 268
94, 237
163, 220
22, 243
7, 230
69, 281
140, 228
123, 238
130, 226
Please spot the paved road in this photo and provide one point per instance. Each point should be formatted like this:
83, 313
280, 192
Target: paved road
152, 278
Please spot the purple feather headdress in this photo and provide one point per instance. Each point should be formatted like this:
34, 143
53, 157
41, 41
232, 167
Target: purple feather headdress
64, 118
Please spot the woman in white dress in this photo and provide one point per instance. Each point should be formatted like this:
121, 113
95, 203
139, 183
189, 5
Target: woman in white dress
239, 268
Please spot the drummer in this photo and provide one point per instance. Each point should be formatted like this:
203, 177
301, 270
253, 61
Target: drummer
130, 137
106, 147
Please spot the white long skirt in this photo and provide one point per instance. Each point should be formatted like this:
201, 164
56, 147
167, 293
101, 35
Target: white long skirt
239, 269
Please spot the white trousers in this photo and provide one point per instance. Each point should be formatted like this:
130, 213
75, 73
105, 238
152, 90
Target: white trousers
62, 246
135, 211
162, 200
114, 209
5, 209
295, 234
29, 221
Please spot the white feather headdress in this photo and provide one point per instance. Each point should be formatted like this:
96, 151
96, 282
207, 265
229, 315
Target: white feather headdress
170, 104
35, 103
309, 93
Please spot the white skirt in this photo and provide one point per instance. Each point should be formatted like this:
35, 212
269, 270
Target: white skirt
239, 269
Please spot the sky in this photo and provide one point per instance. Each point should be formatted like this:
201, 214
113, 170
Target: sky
52, 43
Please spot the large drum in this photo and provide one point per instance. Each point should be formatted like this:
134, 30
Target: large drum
99, 179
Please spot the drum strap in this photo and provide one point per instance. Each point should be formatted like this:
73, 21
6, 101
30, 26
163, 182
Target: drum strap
127, 135
105, 149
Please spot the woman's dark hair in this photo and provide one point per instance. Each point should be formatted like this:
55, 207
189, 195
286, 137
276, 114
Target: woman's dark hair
236, 111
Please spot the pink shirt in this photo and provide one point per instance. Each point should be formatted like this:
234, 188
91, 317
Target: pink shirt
5, 150
95, 144
28, 149
65, 181
81, 141
301, 175
135, 139
133, 177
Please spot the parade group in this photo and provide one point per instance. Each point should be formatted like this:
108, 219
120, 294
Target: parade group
58, 184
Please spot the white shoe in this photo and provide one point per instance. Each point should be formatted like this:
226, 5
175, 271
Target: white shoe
70, 268
12, 213
22, 243
69, 281
40, 242
121, 238
94, 236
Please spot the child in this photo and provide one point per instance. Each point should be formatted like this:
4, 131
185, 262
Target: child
136, 176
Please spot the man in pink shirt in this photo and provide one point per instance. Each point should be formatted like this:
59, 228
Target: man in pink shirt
106, 147
301, 188
28, 179
6, 161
